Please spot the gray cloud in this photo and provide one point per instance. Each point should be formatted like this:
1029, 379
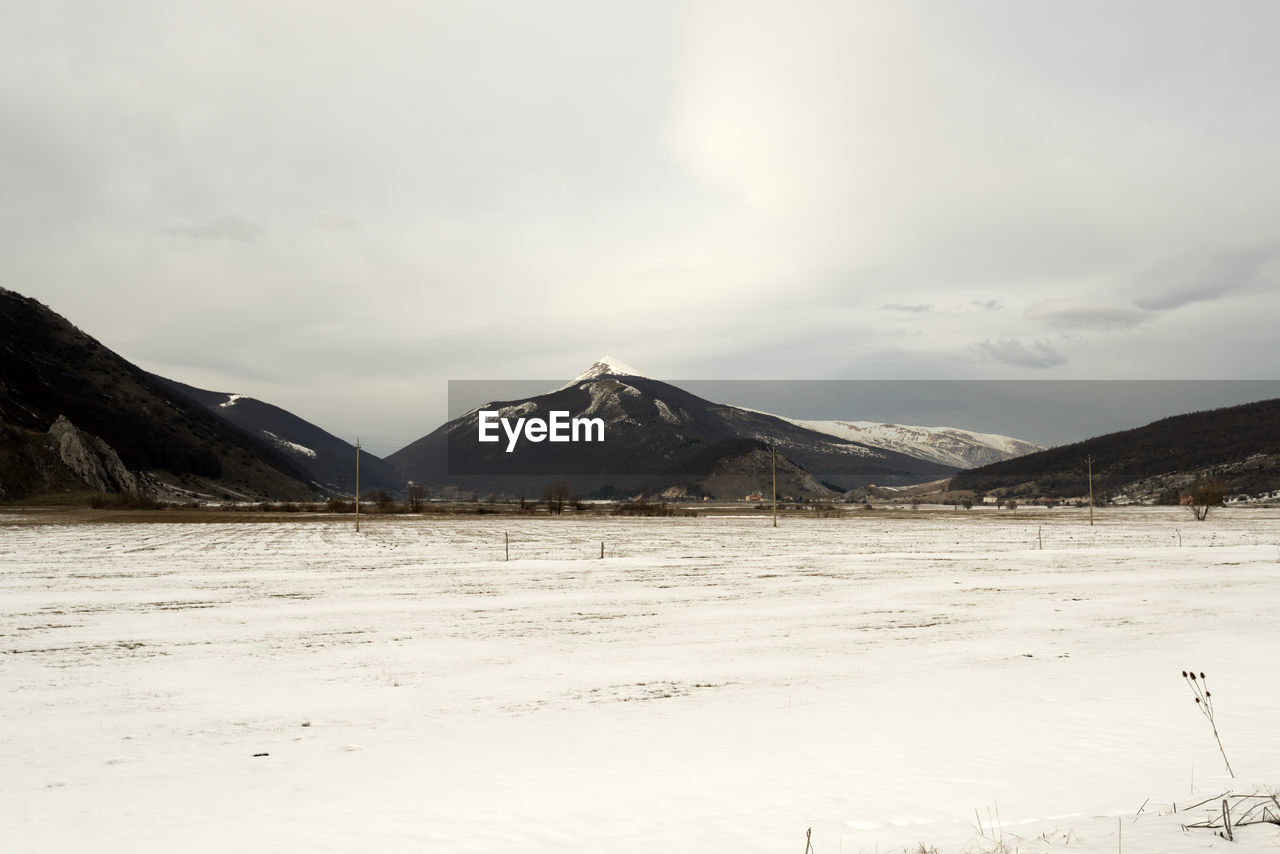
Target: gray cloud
1177, 297
1214, 279
920, 308
1080, 314
1013, 352
989, 305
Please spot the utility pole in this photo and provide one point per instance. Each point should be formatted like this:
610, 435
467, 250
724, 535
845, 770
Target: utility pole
1089, 460
773, 456
357, 483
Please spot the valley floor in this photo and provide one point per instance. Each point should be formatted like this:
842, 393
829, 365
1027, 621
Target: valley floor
711, 685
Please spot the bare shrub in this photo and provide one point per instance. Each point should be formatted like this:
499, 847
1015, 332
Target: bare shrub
381, 498
1205, 495
826, 509
124, 501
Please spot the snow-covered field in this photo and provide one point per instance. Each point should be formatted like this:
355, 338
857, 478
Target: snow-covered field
713, 685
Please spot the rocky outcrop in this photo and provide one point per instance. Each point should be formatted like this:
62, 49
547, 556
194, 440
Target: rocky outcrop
91, 459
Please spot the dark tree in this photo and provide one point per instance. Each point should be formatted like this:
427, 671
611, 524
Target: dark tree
556, 496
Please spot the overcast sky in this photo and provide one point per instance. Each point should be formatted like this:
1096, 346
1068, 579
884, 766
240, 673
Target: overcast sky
337, 207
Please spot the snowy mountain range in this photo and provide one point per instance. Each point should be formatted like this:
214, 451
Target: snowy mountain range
950, 446
78, 417
663, 437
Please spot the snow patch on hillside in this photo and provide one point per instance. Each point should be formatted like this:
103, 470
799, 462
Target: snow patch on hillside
292, 447
665, 413
230, 401
519, 410
606, 401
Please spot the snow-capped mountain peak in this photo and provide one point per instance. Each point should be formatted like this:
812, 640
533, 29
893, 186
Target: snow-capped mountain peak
950, 446
608, 366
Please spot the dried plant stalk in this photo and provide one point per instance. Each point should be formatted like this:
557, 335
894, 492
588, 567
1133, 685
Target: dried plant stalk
1204, 700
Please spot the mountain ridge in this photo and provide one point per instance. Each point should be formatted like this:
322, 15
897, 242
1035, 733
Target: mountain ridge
50, 369
186, 441
328, 460
954, 446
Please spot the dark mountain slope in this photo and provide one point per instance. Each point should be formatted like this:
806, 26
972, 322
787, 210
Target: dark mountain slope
328, 460
1194, 442
48, 368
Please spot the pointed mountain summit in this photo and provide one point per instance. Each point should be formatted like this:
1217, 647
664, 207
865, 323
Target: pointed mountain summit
657, 436
607, 366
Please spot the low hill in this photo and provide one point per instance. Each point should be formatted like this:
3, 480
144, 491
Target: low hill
1238, 444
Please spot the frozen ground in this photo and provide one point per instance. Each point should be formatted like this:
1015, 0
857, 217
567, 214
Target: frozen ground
712, 685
